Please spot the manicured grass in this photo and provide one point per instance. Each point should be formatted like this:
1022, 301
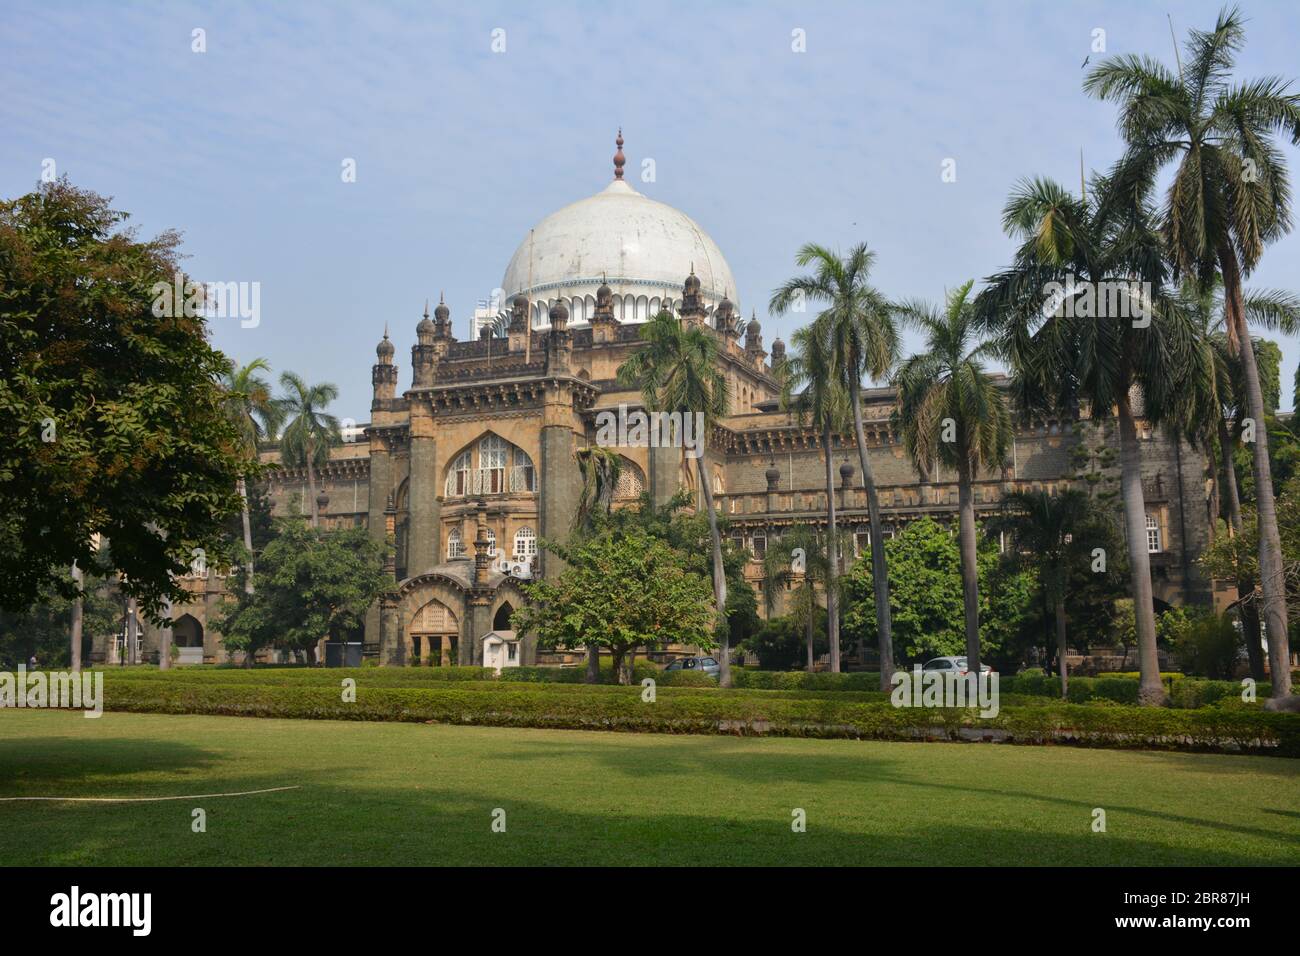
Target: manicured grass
389, 793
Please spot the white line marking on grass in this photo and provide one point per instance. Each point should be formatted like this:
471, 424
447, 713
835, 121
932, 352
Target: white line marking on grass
193, 796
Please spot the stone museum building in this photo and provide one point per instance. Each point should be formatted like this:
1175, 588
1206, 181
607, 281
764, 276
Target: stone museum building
469, 455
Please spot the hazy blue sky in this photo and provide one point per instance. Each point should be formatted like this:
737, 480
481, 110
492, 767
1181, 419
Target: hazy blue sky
461, 150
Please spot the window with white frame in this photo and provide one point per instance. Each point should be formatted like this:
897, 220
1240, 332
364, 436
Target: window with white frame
455, 545
522, 475
862, 539
490, 479
759, 543
525, 544
458, 476
492, 543
1154, 544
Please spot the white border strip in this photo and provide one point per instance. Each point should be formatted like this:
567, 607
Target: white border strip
195, 796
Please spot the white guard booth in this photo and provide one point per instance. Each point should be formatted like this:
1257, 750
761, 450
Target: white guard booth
500, 649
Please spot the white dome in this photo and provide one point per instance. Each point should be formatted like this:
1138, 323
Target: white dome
642, 248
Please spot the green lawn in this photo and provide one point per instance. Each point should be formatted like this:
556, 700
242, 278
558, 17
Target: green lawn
377, 793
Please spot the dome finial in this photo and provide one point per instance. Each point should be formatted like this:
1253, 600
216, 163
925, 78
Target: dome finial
619, 158
426, 308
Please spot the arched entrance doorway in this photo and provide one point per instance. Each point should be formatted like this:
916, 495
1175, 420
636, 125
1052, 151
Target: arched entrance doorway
187, 638
501, 622
434, 636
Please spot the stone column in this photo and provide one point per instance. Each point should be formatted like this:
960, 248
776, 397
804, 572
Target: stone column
392, 646
380, 491
665, 473
560, 478
423, 547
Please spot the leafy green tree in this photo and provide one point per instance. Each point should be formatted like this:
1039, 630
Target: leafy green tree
619, 591
677, 371
250, 408
928, 608
1084, 318
42, 630
115, 411
864, 342
309, 430
812, 389
1052, 534
779, 643
1229, 198
600, 468
951, 410
799, 558
1215, 406
312, 584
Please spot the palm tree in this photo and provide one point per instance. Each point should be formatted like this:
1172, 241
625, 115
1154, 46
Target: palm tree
1071, 342
306, 439
1218, 399
952, 411
1230, 196
600, 469
1048, 534
248, 404
800, 554
78, 609
677, 372
864, 341
812, 388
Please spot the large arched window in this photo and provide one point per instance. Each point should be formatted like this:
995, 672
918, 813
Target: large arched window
492, 466
458, 476
525, 544
631, 481
455, 546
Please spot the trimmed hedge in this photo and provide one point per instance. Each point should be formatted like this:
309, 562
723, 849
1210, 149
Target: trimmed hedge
618, 708
802, 680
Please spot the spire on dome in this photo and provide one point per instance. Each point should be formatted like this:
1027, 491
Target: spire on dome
619, 158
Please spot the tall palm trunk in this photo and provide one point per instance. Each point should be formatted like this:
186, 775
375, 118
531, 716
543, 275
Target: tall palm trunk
832, 561
1270, 544
879, 571
311, 483
1060, 647
719, 575
248, 537
1150, 690
970, 588
1245, 583
811, 631
165, 637
132, 631
77, 614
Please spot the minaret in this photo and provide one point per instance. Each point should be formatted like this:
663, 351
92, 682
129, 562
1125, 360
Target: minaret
518, 330
754, 342
604, 325
383, 374
558, 340
692, 309
442, 333
422, 353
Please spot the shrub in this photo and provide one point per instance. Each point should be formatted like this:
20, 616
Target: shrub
687, 710
1208, 646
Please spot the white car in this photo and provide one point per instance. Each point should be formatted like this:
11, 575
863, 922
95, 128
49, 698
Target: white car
957, 664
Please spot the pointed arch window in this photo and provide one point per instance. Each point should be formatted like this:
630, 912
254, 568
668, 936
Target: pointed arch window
455, 545
458, 476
